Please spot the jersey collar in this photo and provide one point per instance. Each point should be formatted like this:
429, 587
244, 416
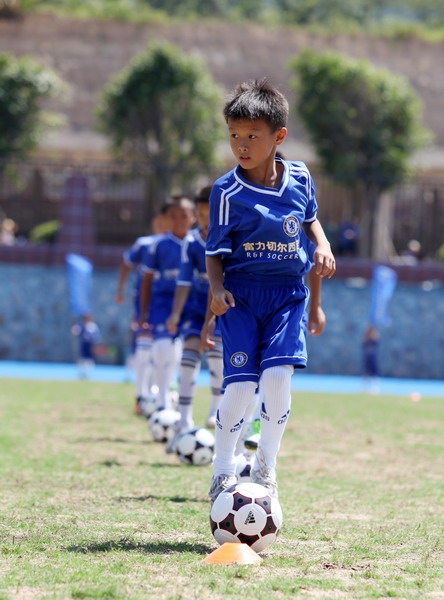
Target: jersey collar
265, 190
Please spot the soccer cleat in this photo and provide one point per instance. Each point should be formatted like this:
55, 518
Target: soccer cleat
251, 442
262, 475
220, 483
210, 423
137, 407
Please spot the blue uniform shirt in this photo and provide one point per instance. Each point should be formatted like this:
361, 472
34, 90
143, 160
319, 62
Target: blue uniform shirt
135, 257
257, 229
163, 258
193, 271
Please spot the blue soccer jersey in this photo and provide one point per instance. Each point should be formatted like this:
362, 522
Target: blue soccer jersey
257, 229
163, 258
134, 257
193, 271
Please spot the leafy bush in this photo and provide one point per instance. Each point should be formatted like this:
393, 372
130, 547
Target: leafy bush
45, 232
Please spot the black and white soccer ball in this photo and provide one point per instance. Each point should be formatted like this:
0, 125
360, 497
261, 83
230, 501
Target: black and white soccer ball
244, 463
245, 513
148, 406
162, 423
195, 446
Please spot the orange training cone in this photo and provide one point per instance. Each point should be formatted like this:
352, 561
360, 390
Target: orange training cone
229, 554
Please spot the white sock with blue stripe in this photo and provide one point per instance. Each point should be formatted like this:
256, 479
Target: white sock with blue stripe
275, 409
230, 417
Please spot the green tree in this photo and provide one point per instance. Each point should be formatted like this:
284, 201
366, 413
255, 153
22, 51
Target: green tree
24, 84
364, 124
164, 108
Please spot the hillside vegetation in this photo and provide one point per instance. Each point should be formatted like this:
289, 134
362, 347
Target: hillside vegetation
421, 18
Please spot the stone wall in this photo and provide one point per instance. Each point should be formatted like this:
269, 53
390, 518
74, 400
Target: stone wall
35, 322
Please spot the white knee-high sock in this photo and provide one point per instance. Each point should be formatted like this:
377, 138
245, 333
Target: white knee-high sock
249, 412
189, 368
275, 408
229, 420
143, 365
164, 366
215, 362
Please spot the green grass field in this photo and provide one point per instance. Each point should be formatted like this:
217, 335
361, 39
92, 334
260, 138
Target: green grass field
91, 508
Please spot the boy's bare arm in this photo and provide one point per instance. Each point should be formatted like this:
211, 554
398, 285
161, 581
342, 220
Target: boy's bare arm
123, 275
325, 264
222, 298
208, 326
316, 316
181, 294
145, 298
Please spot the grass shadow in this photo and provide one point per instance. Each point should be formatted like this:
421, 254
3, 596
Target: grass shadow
87, 440
150, 497
126, 545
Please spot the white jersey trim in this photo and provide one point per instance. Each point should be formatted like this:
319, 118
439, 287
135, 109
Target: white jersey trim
224, 209
218, 251
264, 190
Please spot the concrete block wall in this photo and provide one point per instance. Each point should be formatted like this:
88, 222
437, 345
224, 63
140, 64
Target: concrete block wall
35, 322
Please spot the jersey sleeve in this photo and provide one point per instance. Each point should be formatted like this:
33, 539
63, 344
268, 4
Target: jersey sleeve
134, 255
312, 205
218, 238
149, 259
186, 265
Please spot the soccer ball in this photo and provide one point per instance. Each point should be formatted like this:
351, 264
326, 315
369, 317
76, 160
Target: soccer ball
245, 513
148, 406
162, 424
243, 467
195, 446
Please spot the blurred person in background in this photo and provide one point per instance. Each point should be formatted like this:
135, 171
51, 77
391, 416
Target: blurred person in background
89, 336
141, 342
370, 348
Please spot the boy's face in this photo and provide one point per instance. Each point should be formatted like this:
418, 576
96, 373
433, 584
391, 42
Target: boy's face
253, 142
181, 219
202, 217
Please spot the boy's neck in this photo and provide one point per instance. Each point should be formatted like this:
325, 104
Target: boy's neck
268, 174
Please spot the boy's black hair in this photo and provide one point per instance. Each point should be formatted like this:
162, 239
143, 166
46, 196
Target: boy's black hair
257, 99
181, 200
203, 196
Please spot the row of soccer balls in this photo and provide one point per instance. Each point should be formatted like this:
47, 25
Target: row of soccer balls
195, 446
244, 513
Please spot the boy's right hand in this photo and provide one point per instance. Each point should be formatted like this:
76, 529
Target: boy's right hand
222, 301
172, 322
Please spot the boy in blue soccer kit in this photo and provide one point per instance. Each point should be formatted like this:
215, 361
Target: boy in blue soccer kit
255, 265
161, 269
192, 291
133, 259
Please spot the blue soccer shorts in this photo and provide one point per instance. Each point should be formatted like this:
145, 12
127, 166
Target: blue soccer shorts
265, 328
160, 309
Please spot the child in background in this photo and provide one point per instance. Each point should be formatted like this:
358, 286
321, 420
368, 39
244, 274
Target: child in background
255, 268
370, 347
133, 259
192, 286
160, 272
89, 335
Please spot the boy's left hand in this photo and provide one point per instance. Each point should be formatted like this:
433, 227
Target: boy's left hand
324, 260
316, 321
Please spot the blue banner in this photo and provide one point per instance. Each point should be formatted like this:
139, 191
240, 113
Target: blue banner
383, 285
79, 274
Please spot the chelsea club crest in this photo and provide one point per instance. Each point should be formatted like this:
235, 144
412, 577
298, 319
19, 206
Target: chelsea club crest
238, 359
291, 226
